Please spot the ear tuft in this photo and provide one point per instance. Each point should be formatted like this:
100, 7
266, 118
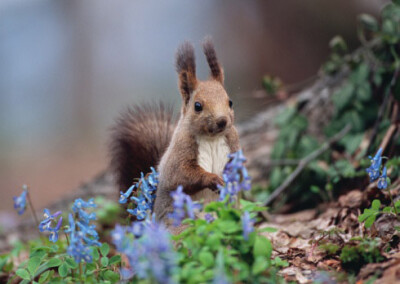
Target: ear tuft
186, 68
209, 51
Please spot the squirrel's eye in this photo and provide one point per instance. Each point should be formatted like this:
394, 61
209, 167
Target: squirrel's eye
198, 107
230, 103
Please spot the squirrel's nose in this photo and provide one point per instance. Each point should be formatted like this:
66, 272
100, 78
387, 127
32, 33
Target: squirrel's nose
221, 123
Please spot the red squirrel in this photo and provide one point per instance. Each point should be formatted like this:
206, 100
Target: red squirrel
191, 152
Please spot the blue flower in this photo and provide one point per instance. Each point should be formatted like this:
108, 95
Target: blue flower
79, 251
81, 204
136, 229
235, 176
209, 218
145, 198
119, 239
82, 234
183, 206
86, 217
220, 276
54, 231
153, 178
374, 169
45, 225
150, 256
382, 181
20, 201
143, 208
124, 196
247, 225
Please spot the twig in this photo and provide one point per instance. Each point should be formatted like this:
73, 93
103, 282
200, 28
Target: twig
32, 208
304, 162
275, 163
382, 109
388, 136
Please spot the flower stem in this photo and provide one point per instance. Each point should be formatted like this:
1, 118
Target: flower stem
32, 208
66, 236
72, 270
80, 271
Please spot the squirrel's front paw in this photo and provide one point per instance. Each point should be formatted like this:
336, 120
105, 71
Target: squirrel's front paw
214, 181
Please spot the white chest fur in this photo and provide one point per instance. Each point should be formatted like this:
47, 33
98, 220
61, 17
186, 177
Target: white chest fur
213, 154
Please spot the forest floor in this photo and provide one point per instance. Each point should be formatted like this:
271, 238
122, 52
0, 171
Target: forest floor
328, 244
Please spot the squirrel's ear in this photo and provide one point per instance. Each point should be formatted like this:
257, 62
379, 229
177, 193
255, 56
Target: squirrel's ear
186, 68
217, 72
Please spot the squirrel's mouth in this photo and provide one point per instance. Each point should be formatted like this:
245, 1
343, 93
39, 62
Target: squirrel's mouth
214, 131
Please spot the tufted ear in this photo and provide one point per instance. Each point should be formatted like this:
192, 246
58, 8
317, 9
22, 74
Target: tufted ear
217, 72
186, 68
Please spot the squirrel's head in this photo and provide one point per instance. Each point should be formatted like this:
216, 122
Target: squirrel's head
206, 106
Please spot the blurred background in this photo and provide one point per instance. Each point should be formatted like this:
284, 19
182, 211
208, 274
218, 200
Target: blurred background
67, 68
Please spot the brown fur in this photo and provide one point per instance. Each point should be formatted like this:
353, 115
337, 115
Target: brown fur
179, 164
139, 139
143, 134
217, 72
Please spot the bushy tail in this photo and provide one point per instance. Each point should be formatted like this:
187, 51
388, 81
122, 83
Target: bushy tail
139, 139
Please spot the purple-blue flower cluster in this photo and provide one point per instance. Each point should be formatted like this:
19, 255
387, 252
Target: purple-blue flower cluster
148, 248
209, 218
147, 187
235, 176
183, 206
82, 234
374, 171
20, 201
45, 225
247, 225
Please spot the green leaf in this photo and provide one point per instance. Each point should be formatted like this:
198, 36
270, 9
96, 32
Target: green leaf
41, 253
259, 266
115, 259
351, 142
71, 263
279, 262
387, 209
343, 97
3, 262
369, 22
54, 262
285, 116
337, 44
23, 273
33, 264
104, 261
268, 230
376, 204
370, 220
43, 277
111, 276
63, 270
95, 254
262, 247
229, 226
206, 258
363, 92
104, 249
90, 268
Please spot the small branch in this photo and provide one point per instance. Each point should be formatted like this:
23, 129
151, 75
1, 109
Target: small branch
382, 110
275, 163
388, 136
32, 209
304, 162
